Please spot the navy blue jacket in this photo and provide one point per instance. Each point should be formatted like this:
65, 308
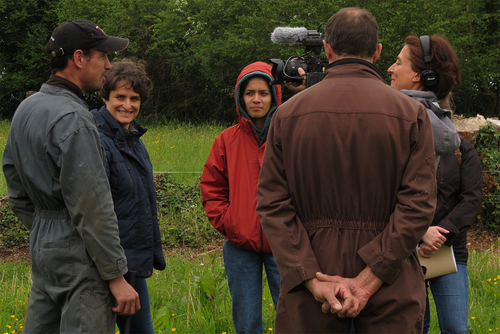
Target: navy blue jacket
130, 175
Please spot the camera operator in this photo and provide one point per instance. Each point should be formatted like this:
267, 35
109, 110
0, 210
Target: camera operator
347, 188
293, 86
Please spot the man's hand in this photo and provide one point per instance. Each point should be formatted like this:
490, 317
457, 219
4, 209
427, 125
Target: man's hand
337, 295
295, 88
362, 287
126, 297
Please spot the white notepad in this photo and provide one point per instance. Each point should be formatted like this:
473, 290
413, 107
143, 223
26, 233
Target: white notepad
442, 262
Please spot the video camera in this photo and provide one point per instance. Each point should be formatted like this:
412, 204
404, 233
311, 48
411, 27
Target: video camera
311, 61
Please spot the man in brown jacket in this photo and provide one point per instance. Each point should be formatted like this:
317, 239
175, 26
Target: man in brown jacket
347, 190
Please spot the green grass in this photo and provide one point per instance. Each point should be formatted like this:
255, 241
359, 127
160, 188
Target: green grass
15, 285
484, 294
192, 296
180, 149
4, 131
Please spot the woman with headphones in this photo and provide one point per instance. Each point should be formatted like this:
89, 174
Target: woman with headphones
427, 69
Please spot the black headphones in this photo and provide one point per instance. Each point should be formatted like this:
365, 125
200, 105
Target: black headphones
428, 78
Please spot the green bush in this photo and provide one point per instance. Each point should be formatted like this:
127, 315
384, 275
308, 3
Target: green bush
182, 218
183, 221
12, 231
488, 149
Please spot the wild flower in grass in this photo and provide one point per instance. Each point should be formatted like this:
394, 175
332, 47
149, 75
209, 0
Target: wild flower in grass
174, 329
270, 329
473, 318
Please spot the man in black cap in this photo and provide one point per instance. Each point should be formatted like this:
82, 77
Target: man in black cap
57, 186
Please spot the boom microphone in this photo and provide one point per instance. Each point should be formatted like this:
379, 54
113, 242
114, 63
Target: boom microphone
311, 61
297, 35
288, 35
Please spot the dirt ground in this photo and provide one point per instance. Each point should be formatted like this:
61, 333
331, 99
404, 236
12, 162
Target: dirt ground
477, 240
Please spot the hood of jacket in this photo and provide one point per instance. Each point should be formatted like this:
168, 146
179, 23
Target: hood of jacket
446, 138
261, 69
429, 100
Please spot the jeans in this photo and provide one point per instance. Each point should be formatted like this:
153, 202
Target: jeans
141, 321
244, 277
451, 295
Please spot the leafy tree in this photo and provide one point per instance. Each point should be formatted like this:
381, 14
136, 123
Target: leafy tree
195, 49
25, 30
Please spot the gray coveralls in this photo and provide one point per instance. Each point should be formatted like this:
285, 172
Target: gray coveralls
57, 186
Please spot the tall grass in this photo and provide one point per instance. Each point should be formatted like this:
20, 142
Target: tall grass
180, 149
15, 285
4, 131
192, 295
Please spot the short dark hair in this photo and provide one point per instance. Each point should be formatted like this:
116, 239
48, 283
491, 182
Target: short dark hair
444, 61
352, 31
58, 64
134, 73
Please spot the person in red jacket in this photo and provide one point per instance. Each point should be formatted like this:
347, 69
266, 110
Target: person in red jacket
229, 195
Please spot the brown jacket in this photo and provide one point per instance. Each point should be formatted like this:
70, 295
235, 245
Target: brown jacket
348, 180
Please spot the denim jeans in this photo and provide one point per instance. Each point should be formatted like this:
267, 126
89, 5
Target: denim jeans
141, 321
451, 295
244, 277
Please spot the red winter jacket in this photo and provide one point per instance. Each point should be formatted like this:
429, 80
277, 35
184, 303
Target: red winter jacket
230, 175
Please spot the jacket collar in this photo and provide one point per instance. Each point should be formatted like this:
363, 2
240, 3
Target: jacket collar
111, 128
54, 90
363, 65
58, 81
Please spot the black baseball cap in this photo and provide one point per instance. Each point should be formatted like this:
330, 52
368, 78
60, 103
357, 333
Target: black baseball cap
75, 35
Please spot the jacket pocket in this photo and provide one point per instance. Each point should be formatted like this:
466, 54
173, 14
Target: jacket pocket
57, 265
96, 313
230, 228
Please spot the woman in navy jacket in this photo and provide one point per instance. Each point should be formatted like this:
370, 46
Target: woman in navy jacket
130, 175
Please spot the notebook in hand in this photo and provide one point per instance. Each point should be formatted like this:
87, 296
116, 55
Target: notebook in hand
440, 263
